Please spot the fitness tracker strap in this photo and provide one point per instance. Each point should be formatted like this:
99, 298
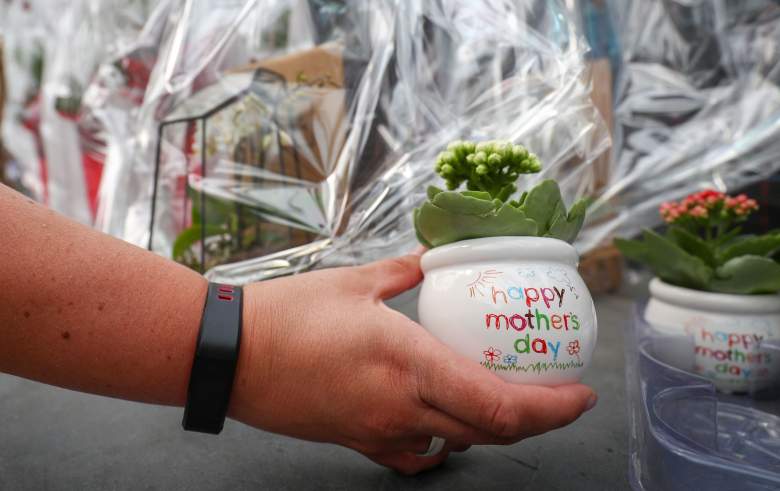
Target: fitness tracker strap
216, 355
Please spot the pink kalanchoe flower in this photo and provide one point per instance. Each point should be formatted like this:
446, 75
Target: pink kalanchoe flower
699, 211
706, 205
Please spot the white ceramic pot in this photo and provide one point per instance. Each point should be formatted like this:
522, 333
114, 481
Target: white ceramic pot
727, 330
516, 305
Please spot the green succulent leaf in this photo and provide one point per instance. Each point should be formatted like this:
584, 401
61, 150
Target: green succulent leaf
420, 238
433, 191
566, 227
437, 226
459, 203
522, 199
728, 237
477, 194
543, 204
764, 245
693, 245
748, 275
490, 171
668, 260
636, 250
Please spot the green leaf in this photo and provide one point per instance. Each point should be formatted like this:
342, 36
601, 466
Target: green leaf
636, 250
437, 226
762, 245
566, 227
423, 240
668, 260
692, 244
522, 199
190, 236
728, 236
748, 275
433, 191
466, 205
477, 194
543, 204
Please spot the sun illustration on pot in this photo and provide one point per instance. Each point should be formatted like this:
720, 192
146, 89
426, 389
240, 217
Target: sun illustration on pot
484, 279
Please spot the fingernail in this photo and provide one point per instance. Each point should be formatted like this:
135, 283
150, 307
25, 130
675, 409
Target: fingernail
591, 402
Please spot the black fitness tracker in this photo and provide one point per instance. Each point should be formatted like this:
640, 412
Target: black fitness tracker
216, 355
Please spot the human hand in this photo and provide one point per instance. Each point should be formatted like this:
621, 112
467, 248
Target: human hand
324, 359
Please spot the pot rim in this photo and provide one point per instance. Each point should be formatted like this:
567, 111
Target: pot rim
720, 302
518, 248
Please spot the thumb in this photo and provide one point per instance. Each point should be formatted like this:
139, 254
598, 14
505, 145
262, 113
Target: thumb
391, 277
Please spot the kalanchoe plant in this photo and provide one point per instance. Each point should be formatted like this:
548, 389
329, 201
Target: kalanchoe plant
702, 248
490, 171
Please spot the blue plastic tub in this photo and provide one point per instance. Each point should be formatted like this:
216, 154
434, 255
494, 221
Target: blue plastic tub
686, 436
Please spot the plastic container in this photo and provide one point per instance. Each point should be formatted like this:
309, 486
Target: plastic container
684, 435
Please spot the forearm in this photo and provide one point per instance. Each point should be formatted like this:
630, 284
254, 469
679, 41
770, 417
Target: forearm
83, 310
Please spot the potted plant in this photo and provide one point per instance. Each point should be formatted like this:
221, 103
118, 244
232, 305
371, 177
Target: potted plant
715, 285
501, 283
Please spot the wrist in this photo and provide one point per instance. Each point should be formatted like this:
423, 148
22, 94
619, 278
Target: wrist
252, 366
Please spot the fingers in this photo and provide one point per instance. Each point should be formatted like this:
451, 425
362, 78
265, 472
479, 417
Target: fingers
432, 421
409, 463
467, 392
391, 277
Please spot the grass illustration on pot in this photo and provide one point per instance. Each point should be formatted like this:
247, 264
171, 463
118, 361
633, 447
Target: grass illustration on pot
702, 248
485, 209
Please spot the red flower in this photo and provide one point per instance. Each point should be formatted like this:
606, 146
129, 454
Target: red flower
574, 347
707, 205
491, 354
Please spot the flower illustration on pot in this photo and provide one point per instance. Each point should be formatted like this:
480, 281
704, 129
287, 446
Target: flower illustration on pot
510, 359
492, 354
574, 348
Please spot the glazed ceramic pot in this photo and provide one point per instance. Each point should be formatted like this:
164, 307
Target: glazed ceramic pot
727, 330
515, 305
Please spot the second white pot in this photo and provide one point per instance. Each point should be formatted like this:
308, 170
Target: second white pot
728, 332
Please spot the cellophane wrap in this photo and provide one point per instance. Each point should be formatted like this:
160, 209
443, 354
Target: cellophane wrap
275, 136
251, 139
52, 52
697, 104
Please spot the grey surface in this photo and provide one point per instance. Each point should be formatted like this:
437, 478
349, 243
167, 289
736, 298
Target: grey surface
52, 438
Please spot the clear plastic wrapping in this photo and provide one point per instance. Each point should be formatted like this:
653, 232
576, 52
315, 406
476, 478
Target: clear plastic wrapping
52, 51
254, 138
278, 135
697, 105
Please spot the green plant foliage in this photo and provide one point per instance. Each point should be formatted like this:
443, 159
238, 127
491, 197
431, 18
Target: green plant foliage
748, 274
490, 170
450, 216
719, 261
668, 260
